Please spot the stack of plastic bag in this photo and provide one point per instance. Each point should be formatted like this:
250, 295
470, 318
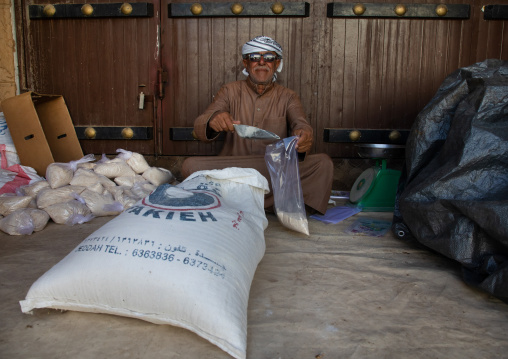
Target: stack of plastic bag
78, 191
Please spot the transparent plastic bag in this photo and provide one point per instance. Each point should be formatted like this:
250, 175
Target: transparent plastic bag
24, 221
18, 223
133, 159
282, 161
60, 174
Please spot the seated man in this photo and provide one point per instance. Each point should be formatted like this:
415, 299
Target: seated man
259, 101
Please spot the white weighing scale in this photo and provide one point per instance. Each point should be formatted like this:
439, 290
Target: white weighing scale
375, 189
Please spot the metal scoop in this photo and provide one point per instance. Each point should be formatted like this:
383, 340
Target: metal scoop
254, 133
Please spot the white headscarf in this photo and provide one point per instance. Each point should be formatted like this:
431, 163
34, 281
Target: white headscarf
263, 43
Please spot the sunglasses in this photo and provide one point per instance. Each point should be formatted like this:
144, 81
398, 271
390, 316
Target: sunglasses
256, 57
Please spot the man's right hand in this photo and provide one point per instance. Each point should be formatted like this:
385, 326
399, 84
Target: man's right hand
223, 121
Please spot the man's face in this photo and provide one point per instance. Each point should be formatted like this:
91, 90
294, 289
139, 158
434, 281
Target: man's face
261, 72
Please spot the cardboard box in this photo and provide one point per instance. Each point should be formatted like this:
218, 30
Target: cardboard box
42, 130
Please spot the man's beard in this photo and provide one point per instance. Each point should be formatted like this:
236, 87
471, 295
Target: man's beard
267, 82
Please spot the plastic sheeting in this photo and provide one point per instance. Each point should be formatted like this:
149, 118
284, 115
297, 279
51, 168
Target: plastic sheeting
453, 193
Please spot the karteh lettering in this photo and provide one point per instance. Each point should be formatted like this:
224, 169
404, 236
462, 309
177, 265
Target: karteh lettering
189, 216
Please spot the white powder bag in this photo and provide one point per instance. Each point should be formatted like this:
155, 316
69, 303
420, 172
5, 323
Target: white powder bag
142, 189
70, 212
185, 255
106, 182
129, 180
47, 197
84, 177
24, 221
59, 174
87, 166
124, 196
9, 204
101, 204
32, 189
97, 187
39, 217
90, 180
281, 160
32, 204
116, 191
126, 200
113, 169
135, 160
158, 175
295, 221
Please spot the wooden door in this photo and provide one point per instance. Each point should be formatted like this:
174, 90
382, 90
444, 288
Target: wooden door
103, 59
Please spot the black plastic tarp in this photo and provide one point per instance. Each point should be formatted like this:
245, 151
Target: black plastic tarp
453, 193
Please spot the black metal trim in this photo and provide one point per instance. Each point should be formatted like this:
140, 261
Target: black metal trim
330, 135
335, 135
72, 11
250, 9
185, 134
115, 132
383, 10
495, 12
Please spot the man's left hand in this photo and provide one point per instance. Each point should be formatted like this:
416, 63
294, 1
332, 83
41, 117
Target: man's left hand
304, 141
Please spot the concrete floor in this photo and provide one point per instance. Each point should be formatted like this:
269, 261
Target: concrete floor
329, 295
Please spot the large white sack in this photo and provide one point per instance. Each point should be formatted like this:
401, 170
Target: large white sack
184, 255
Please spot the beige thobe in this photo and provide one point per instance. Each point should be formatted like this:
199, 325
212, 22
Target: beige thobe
278, 110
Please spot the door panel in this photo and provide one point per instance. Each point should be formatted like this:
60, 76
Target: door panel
100, 65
